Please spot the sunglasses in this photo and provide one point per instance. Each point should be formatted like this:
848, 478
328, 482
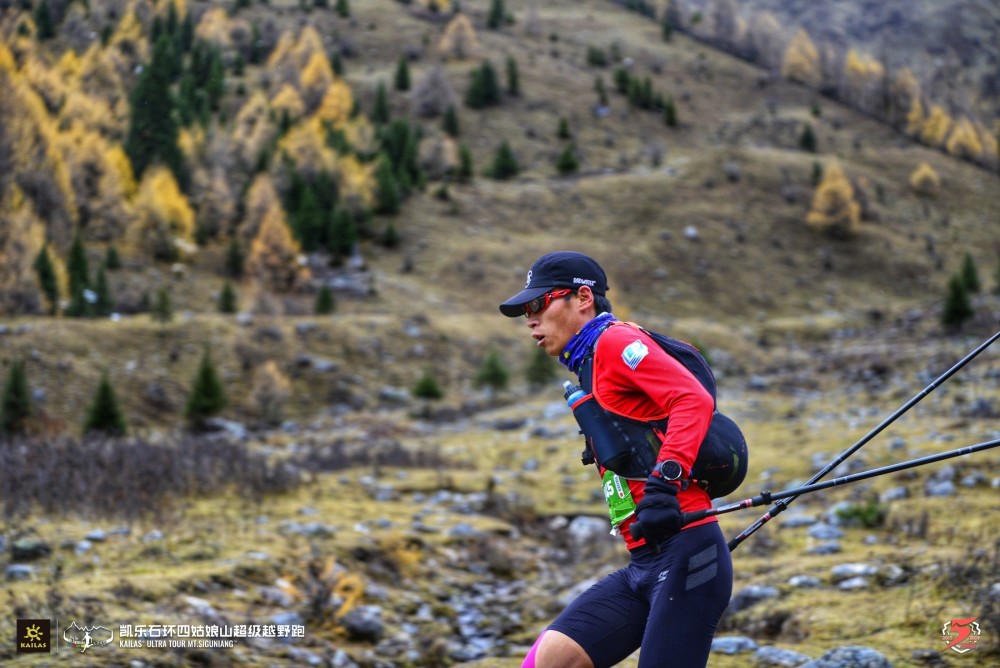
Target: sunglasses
539, 304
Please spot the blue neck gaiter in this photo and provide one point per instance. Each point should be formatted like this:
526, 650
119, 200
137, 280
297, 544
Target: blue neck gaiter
583, 341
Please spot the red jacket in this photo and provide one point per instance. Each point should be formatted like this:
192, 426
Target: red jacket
634, 377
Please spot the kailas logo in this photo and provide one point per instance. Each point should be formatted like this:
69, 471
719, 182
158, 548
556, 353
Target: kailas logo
962, 635
634, 353
86, 637
33, 635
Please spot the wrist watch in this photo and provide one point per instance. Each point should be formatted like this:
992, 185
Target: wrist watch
668, 470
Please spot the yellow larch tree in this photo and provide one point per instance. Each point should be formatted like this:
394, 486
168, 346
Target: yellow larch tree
337, 103
102, 81
937, 127
260, 198
253, 130
287, 102
164, 225
214, 27
314, 80
31, 158
767, 39
801, 61
904, 98
309, 42
459, 40
834, 208
128, 43
213, 197
863, 80
963, 142
274, 257
924, 180
269, 391
22, 236
305, 145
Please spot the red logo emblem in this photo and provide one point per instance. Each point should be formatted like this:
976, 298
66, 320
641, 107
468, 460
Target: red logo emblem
962, 635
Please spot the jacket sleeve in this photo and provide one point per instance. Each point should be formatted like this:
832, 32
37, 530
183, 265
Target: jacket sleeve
636, 378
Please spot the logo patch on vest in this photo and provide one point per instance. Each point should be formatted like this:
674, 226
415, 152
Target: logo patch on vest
634, 353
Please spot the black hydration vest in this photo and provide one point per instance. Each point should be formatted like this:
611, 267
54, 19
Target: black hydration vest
721, 464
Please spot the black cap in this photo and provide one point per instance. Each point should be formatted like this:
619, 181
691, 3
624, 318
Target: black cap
561, 269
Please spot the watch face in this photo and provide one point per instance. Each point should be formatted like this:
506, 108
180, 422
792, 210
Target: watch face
670, 470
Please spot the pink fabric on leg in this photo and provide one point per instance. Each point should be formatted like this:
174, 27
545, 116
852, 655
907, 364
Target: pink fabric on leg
529, 660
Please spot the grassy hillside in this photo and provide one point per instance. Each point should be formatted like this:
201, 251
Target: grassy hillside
425, 506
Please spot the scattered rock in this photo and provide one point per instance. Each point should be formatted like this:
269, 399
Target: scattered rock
850, 656
733, 644
364, 623
775, 656
29, 549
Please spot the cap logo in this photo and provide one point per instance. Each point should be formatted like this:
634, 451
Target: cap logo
584, 281
528, 282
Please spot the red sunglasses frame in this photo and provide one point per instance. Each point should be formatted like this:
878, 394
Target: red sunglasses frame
546, 299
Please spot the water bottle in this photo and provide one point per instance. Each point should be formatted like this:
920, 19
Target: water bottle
608, 447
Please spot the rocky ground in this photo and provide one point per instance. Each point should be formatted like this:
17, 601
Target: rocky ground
482, 525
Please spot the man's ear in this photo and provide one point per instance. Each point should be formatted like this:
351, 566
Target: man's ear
586, 297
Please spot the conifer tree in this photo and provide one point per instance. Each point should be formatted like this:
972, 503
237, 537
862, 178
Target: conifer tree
44, 23
162, 310
343, 234
465, 166
15, 405
390, 237
308, 221
567, 162
402, 74
153, 131
807, 140
541, 369
957, 308
602, 93
496, 16
492, 373
207, 397
450, 122
79, 278
667, 27
563, 131
103, 304
105, 415
234, 259
112, 261
427, 387
344, 8
325, 303
970, 275
504, 163
387, 189
484, 90
513, 79
380, 112
227, 298
47, 279
670, 113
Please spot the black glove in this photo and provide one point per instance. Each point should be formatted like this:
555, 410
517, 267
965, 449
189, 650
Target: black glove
658, 515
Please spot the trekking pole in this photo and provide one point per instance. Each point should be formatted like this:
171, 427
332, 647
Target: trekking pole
780, 506
767, 497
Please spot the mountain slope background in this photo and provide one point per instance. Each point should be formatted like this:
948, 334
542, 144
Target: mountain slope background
701, 227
